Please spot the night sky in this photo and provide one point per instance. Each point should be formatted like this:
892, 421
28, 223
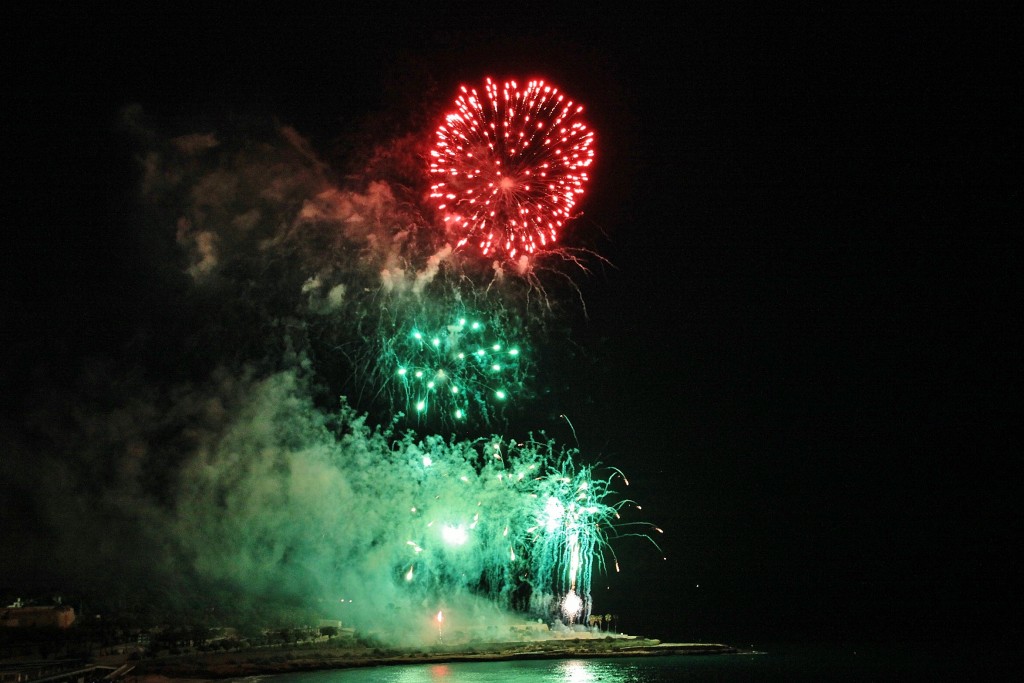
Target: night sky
780, 352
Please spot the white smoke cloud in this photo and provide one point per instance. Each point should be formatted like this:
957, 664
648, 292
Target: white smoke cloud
426, 276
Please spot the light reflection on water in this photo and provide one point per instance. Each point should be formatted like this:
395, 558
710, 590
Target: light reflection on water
832, 663
542, 671
587, 670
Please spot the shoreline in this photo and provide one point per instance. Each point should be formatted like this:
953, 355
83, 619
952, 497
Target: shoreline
271, 662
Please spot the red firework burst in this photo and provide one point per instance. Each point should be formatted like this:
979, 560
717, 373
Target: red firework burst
509, 166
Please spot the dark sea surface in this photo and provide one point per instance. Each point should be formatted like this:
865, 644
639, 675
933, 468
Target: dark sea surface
776, 663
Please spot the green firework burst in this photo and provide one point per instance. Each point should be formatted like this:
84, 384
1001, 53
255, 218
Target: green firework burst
460, 367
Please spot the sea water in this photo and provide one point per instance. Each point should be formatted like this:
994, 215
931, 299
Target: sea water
833, 663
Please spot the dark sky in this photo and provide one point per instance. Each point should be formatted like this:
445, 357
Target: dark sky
784, 366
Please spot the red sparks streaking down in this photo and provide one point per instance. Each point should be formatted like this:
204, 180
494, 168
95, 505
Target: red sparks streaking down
509, 166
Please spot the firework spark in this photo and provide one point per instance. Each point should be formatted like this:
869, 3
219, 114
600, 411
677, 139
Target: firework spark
531, 511
571, 606
464, 369
509, 166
